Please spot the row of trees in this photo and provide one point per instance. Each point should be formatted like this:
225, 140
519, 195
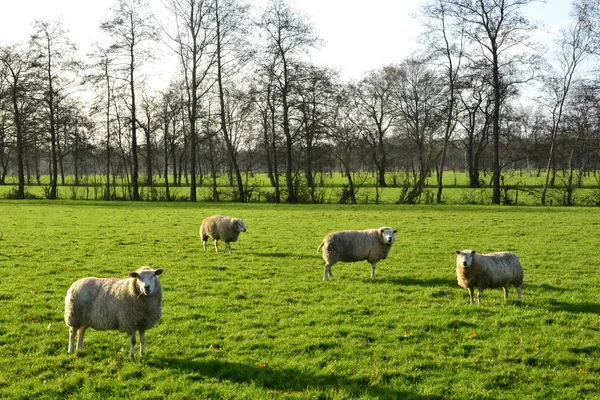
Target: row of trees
245, 98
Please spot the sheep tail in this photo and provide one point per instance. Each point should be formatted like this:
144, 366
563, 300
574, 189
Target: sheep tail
319, 248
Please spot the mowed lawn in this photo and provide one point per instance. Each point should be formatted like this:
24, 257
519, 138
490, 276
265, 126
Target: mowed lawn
262, 324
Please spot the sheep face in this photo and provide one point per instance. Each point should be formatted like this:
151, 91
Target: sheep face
239, 225
464, 258
387, 235
145, 279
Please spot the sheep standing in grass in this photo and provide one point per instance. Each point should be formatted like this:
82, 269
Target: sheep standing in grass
219, 227
350, 246
484, 271
129, 305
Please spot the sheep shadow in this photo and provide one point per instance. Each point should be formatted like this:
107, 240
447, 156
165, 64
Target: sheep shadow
575, 308
432, 282
284, 380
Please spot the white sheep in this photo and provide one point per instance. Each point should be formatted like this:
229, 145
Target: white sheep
350, 246
219, 227
484, 271
129, 305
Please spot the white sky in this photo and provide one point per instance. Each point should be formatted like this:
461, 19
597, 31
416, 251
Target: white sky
358, 38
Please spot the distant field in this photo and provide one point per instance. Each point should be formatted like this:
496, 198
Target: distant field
261, 324
519, 187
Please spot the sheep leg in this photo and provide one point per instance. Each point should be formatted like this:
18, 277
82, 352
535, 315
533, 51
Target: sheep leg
327, 272
131, 344
519, 293
71, 339
80, 336
228, 247
372, 270
471, 293
505, 292
204, 245
217, 245
479, 296
142, 343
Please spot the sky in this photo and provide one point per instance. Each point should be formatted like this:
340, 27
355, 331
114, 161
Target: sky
357, 38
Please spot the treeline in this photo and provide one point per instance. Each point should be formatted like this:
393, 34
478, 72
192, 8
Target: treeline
244, 99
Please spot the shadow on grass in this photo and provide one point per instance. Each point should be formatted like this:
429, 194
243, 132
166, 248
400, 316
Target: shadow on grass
284, 380
577, 308
276, 255
433, 282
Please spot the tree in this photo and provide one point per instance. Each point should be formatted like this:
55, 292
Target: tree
419, 99
372, 98
131, 28
497, 29
288, 35
194, 39
316, 97
448, 47
231, 24
577, 42
22, 90
54, 57
100, 76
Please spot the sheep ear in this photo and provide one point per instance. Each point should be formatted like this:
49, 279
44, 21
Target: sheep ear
457, 251
133, 274
158, 271
395, 231
472, 252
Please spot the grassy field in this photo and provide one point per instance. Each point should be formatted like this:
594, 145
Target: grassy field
261, 324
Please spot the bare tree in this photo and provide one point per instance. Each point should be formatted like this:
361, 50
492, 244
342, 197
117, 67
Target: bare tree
372, 97
131, 29
576, 43
54, 57
194, 39
232, 28
22, 90
100, 76
288, 36
419, 98
497, 30
447, 46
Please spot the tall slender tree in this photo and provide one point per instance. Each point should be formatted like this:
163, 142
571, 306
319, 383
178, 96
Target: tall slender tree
232, 28
288, 35
577, 42
496, 28
194, 43
131, 28
54, 54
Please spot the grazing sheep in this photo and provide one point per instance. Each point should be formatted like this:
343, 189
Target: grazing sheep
219, 227
129, 305
484, 271
349, 246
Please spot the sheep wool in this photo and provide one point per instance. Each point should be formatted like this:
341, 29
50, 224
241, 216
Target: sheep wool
371, 245
482, 271
219, 227
128, 305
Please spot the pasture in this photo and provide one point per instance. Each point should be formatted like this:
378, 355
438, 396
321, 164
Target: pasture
261, 324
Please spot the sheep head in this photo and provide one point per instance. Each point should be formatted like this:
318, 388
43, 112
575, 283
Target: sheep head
146, 279
387, 235
465, 258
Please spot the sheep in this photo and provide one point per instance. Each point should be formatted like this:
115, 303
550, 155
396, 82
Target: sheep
484, 271
129, 305
219, 227
372, 245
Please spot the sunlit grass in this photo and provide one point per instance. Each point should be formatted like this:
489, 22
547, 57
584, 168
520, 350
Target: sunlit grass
260, 323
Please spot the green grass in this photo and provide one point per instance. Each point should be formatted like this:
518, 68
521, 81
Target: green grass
261, 324
523, 189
